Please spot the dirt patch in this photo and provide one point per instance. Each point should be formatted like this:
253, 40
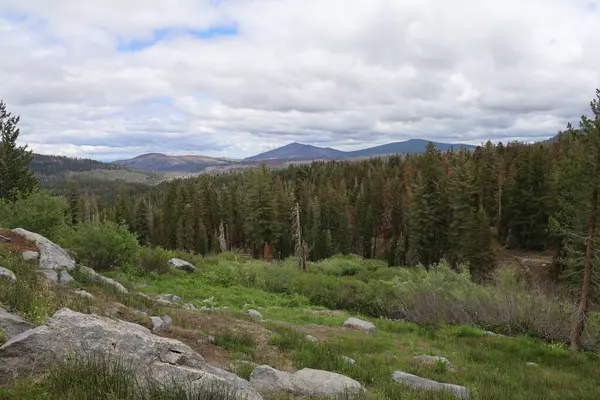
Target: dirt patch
192, 328
17, 244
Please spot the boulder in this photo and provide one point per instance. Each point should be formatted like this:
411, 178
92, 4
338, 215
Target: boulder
83, 293
311, 338
172, 298
8, 275
532, 364
306, 382
255, 313
71, 333
58, 277
418, 383
182, 265
96, 277
52, 256
209, 300
190, 306
349, 360
12, 325
30, 255
356, 323
160, 322
431, 360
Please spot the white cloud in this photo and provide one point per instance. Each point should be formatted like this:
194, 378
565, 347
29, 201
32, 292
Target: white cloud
340, 73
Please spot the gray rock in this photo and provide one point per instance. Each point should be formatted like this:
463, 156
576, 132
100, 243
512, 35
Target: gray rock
83, 293
30, 255
96, 277
12, 325
360, 324
532, 364
209, 300
190, 306
493, 334
58, 277
311, 338
349, 360
71, 333
431, 360
159, 323
52, 256
418, 383
170, 297
8, 275
255, 313
306, 382
182, 265
4, 239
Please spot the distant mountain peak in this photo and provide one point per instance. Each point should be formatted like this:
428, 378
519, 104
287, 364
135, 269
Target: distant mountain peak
297, 150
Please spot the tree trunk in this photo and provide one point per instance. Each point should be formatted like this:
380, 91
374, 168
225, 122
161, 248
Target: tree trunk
579, 323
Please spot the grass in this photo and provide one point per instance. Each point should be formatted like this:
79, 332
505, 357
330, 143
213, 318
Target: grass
294, 305
97, 377
242, 342
491, 367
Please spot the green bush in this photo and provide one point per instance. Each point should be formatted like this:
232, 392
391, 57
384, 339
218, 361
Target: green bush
39, 212
104, 245
154, 260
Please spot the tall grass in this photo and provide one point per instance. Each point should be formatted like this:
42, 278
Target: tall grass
96, 377
33, 296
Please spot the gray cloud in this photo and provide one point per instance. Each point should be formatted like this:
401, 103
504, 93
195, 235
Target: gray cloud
340, 73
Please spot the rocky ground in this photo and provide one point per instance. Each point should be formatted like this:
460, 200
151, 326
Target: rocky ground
253, 352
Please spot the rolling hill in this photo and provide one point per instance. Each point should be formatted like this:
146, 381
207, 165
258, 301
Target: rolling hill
297, 151
411, 146
166, 163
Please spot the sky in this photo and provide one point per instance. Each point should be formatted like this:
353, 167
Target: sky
232, 78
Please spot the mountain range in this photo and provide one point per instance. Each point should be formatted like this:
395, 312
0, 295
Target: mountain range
299, 151
156, 167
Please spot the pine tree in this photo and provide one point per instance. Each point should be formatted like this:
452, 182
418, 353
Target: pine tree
142, 221
429, 213
16, 179
301, 248
576, 217
261, 214
73, 202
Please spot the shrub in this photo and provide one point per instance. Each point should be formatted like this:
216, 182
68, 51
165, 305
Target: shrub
154, 260
104, 245
39, 212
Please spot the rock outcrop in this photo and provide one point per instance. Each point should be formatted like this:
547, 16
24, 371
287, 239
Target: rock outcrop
160, 322
70, 333
96, 277
52, 256
182, 265
12, 325
306, 382
255, 313
8, 275
418, 383
58, 277
30, 255
356, 323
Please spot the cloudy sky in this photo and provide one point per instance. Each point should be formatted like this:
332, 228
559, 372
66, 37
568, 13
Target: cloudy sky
116, 78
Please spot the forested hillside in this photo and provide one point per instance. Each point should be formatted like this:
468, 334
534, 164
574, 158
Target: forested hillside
405, 210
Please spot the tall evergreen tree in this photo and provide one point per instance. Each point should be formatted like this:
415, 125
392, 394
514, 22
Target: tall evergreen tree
16, 179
